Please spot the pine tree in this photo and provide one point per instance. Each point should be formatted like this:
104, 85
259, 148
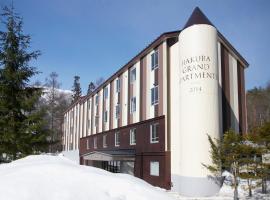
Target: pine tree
76, 89
91, 87
261, 137
249, 163
99, 81
22, 129
226, 154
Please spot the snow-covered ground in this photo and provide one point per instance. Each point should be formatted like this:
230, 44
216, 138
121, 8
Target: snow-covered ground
226, 192
45, 177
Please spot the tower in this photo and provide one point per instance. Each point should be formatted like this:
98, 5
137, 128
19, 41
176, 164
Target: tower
199, 103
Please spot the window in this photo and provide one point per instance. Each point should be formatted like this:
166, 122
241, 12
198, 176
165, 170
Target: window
96, 120
132, 104
154, 128
95, 142
88, 124
88, 104
132, 136
154, 168
117, 85
96, 107
117, 111
104, 141
154, 60
97, 98
106, 93
106, 116
154, 95
133, 75
87, 144
117, 139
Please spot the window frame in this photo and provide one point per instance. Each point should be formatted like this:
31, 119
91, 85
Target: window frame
118, 85
88, 144
104, 141
117, 139
133, 77
155, 172
105, 116
154, 60
96, 120
132, 106
132, 136
106, 92
155, 89
88, 104
95, 142
117, 111
97, 99
154, 140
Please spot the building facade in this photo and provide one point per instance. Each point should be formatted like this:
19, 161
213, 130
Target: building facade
152, 117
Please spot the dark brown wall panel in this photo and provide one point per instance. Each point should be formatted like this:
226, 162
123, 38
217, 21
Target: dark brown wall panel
226, 109
142, 137
143, 74
103, 110
97, 112
121, 100
241, 99
160, 80
129, 96
111, 105
144, 150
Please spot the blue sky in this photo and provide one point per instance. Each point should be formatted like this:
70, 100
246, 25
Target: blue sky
94, 38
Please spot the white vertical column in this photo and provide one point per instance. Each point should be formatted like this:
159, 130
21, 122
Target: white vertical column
199, 107
234, 93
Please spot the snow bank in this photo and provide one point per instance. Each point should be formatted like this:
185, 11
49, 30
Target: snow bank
45, 177
226, 192
72, 155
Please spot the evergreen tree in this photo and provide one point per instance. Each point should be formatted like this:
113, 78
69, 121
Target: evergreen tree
91, 87
249, 163
76, 89
22, 129
99, 81
261, 137
226, 154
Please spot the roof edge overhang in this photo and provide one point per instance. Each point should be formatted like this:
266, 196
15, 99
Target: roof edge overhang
106, 156
231, 49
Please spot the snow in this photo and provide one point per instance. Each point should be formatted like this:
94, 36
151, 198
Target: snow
226, 191
72, 155
46, 177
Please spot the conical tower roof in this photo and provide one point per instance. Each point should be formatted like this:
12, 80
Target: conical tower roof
197, 17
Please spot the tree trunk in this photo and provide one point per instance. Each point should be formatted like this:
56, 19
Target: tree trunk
264, 186
235, 197
249, 188
249, 192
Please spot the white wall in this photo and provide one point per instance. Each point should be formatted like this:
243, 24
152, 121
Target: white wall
100, 110
150, 80
175, 111
234, 93
124, 94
